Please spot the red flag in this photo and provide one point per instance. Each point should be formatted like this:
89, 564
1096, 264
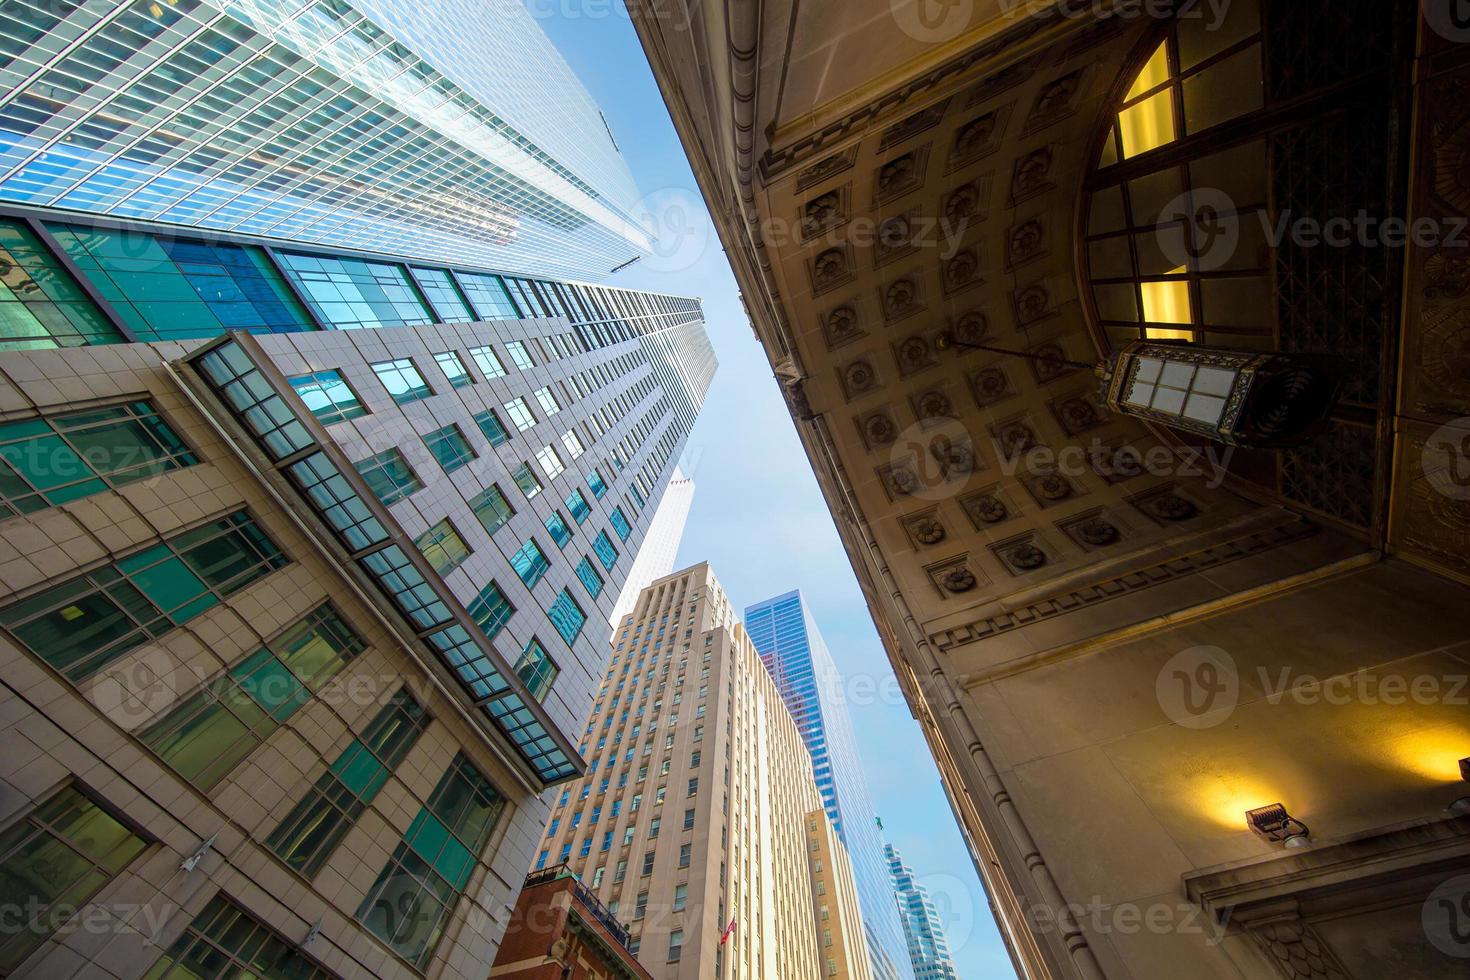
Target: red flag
728, 930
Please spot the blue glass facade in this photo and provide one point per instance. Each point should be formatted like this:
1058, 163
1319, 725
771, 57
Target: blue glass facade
792, 649
928, 949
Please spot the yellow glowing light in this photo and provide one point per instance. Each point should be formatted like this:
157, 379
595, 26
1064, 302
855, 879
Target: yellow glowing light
1433, 754
1167, 333
1166, 302
1154, 74
1225, 798
1149, 124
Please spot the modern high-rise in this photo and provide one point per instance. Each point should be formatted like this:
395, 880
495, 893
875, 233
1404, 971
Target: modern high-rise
793, 651
660, 546
698, 821
450, 131
922, 927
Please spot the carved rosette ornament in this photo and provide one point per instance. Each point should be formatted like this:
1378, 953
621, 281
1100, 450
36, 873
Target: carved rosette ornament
900, 298
927, 531
962, 269
958, 580
963, 202
859, 377
1053, 487
901, 481
1169, 507
1097, 532
974, 134
990, 386
971, 328
842, 326
898, 174
1077, 415
880, 429
1032, 303
821, 213
1025, 557
934, 405
914, 354
1015, 438
894, 233
988, 509
1050, 365
829, 268
955, 459
1030, 176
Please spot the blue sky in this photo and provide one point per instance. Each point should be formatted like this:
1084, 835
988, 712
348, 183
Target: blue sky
758, 516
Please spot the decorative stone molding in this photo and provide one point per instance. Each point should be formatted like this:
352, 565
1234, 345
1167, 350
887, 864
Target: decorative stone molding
987, 508
1031, 175
900, 175
858, 378
919, 122
842, 326
926, 529
827, 168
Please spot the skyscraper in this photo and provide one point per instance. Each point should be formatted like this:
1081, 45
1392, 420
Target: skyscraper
928, 949
793, 651
660, 546
449, 131
698, 821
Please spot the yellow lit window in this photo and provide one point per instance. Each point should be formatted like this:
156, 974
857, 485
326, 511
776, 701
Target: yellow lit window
1148, 125
1154, 74
1166, 302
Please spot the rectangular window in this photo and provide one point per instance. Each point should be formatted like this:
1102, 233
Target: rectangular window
388, 476
546, 398
52, 862
551, 463
488, 296
487, 361
443, 547
520, 414
567, 617
226, 942
689, 819
352, 293
402, 380
530, 563
590, 579
87, 622
453, 368
595, 481
449, 306
684, 852
557, 528
536, 670
577, 504
492, 427
606, 553
519, 355
53, 459
491, 507
676, 945
449, 448
681, 897
527, 481
572, 443
329, 397
316, 825
491, 610
620, 523
213, 730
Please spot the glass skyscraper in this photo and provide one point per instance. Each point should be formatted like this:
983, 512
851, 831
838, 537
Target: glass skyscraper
928, 949
448, 130
792, 649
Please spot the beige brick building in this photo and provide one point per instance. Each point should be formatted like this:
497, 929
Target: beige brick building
698, 818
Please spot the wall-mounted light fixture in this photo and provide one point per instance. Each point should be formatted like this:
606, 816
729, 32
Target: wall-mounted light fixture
1461, 807
1272, 823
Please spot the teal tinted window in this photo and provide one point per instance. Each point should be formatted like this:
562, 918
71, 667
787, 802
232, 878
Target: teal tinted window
558, 530
388, 476
620, 523
567, 617
606, 553
89, 621
402, 379
491, 610
577, 504
337, 501
488, 296
488, 361
590, 579
519, 355
491, 507
41, 305
449, 306
536, 670
448, 446
443, 547
225, 942
530, 563
174, 288
467, 804
53, 459
52, 862
527, 481
491, 426
595, 481
352, 293
453, 369
329, 396
406, 586
231, 372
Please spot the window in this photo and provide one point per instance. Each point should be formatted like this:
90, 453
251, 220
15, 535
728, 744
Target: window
546, 398
329, 397
530, 563
594, 480
567, 617
491, 610
520, 414
492, 509
606, 553
591, 581
488, 295
449, 306
354, 293
640, 906
689, 819
557, 528
50, 460
551, 463
449, 448
487, 361
572, 443
52, 862
693, 787
403, 381
316, 825
87, 622
226, 942
519, 356
676, 943
620, 523
536, 670
492, 427
388, 476
210, 732
527, 481
653, 829
453, 368
621, 871
443, 547
577, 504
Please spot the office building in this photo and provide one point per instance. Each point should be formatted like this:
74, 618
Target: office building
560, 931
698, 821
922, 927
661, 545
448, 131
793, 651
940, 216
